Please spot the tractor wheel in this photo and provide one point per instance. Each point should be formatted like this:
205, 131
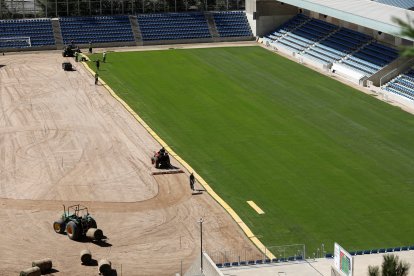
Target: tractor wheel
72, 230
92, 223
59, 226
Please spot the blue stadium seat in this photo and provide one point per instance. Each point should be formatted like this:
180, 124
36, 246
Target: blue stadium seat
232, 24
173, 26
97, 29
39, 31
402, 85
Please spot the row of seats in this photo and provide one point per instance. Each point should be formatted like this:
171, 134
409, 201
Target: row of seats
301, 32
337, 45
402, 85
173, 26
326, 43
371, 58
97, 29
285, 28
232, 24
39, 31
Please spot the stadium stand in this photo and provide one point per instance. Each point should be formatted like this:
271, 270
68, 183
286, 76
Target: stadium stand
39, 31
371, 58
173, 26
232, 24
97, 29
301, 32
286, 27
404, 4
326, 44
402, 85
337, 46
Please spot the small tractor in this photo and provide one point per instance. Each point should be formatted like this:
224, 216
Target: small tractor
161, 160
77, 223
70, 50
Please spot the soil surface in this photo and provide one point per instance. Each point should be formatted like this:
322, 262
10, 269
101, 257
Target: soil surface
64, 140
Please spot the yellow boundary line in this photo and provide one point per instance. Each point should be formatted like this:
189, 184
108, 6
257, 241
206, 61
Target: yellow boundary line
255, 207
207, 187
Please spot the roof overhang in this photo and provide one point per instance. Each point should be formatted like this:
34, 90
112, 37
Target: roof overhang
365, 13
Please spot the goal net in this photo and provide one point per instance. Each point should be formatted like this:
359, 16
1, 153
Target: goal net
15, 42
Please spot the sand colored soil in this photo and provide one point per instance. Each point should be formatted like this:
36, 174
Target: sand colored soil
64, 140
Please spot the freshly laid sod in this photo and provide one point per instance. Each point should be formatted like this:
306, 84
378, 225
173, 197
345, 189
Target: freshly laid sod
325, 162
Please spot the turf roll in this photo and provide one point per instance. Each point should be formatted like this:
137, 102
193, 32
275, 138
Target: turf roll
104, 266
33, 271
45, 264
94, 234
86, 256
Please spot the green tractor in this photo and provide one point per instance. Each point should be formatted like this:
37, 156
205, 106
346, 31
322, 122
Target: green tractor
78, 223
70, 50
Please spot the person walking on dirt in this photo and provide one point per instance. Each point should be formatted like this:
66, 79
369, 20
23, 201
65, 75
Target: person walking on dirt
104, 56
192, 181
96, 78
97, 64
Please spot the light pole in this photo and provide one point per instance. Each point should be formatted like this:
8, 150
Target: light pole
201, 243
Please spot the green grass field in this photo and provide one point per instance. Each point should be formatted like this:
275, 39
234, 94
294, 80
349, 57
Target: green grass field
324, 161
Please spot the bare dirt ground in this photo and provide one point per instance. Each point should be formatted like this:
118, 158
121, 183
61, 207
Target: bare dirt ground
64, 140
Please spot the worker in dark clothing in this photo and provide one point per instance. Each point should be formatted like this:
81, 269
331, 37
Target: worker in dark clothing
97, 64
192, 181
90, 47
96, 78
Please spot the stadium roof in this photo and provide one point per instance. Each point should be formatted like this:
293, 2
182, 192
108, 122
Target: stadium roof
405, 4
367, 13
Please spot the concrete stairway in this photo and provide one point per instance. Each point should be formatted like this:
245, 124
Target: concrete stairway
212, 26
57, 33
136, 30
